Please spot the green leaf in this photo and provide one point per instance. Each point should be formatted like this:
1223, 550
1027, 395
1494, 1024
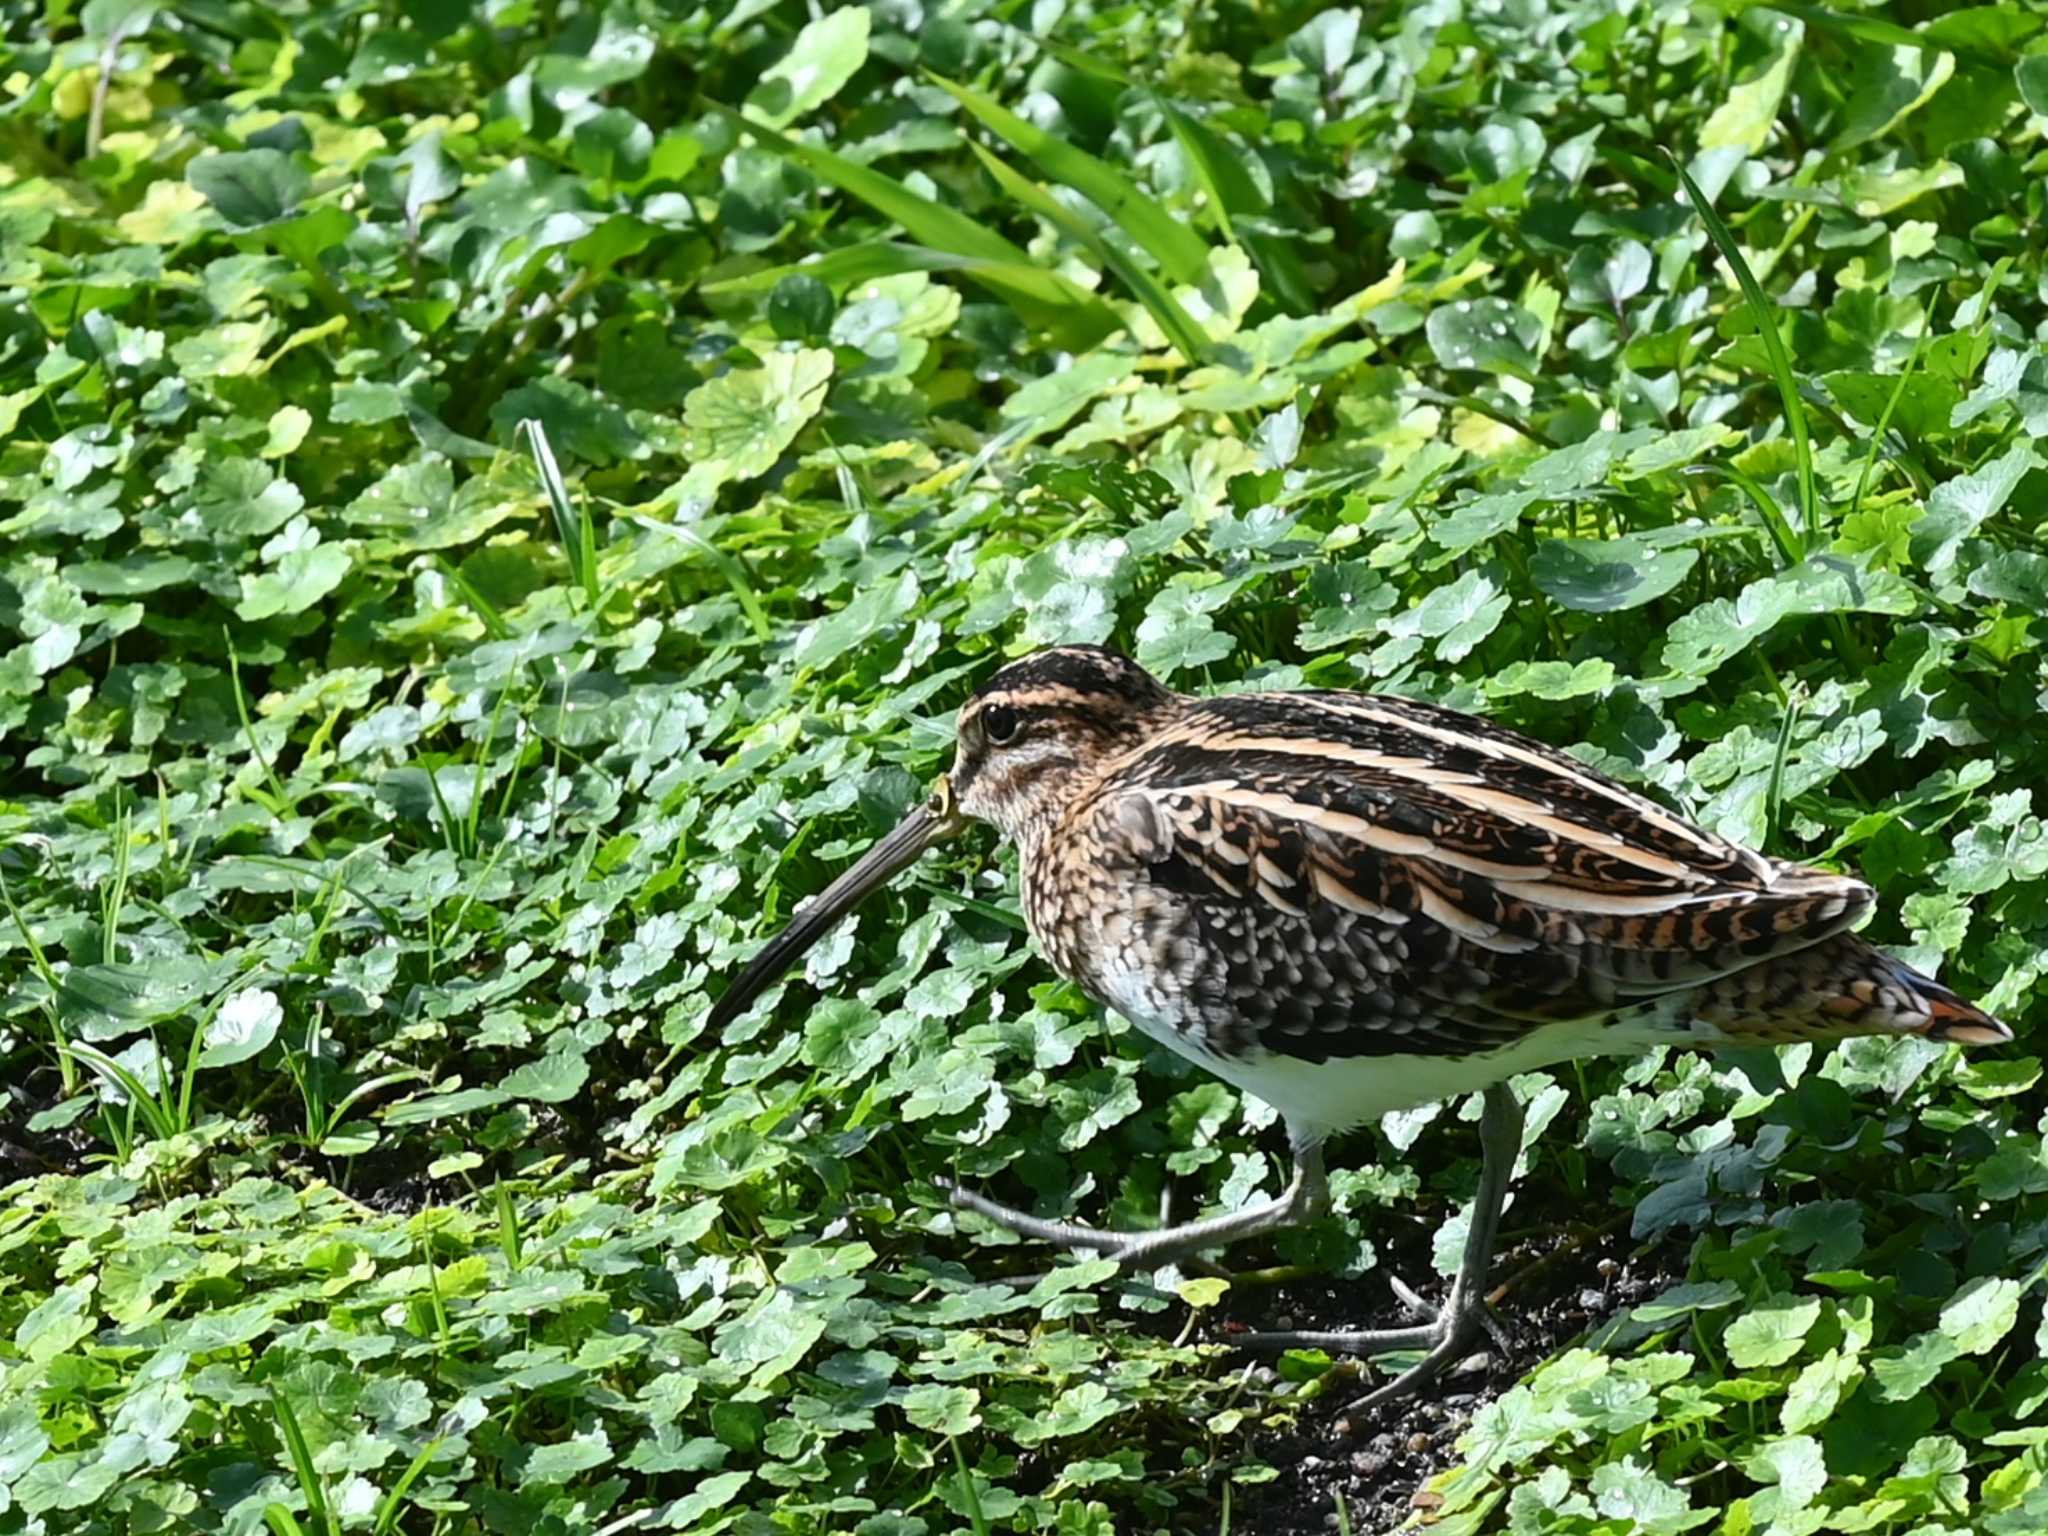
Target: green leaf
430, 176
1981, 1313
1177, 633
1890, 85
710, 1495
1631, 1491
242, 1027
941, 1410
2016, 576
53, 1325
825, 55
1229, 177
2032, 75
559, 1462
1483, 518
1795, 1463
22, 1440
741, 422
1703, 639
1608, 576
1925, 401
103, 1002
1872, 194
1817, 1391
250, 188
1744, 118
1508, 146
1904, 1376
614, 145
1608, 279
832, 638
1958, 507
444, 1106
1457, 616
776, 1332
1485, 336
555, 1078
1771, 1332
302, 578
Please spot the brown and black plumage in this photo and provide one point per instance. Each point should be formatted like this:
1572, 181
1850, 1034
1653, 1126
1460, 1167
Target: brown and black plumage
1348, 904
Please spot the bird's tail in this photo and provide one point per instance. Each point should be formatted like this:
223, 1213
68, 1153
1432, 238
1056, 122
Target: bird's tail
1839, 988
1953, 1019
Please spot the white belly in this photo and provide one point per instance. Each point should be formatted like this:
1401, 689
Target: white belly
1326, 1097
1336, 1095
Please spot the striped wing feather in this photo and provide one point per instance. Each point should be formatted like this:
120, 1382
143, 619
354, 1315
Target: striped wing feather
1381, 876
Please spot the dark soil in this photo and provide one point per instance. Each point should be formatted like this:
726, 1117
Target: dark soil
26, 1153
1561, 1280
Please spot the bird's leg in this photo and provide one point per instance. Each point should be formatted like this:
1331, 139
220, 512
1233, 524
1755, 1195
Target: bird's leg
1450, 1335
1304, 1198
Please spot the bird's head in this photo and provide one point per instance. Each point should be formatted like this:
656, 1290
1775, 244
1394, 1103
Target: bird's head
1037, 730
1028, 740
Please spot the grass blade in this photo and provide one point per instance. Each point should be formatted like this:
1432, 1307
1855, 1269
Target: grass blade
969, 1494
301, 1455
1180, 252
141, 1099
1230, 189
1884, 419
1766, 316
1774, 519
493, 621
285, 805
856, 264
67, 1068
508, 1227
731, 569
1165, 309
572, 520
1885, 34
1044, 299
1774, 795
387, 1510
1234, 195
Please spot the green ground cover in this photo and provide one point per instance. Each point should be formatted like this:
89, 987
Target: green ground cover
499, 503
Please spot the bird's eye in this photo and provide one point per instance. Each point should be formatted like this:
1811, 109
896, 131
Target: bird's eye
999, 724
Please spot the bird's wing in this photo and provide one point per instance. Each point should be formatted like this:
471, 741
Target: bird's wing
1366, 865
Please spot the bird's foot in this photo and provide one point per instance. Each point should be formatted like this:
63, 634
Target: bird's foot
1133, 1250
1447, 1338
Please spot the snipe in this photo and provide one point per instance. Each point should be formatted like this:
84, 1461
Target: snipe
1348, 904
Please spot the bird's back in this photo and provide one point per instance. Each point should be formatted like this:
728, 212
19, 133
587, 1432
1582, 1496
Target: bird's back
1327, 877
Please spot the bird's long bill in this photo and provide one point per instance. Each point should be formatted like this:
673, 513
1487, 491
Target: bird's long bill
932, 822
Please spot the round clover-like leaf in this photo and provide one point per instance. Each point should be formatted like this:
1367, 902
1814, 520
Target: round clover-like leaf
250, 188
1607, 575
742, 421
821, 60
613, 145
1485, 335
245, 1024
1607, 278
